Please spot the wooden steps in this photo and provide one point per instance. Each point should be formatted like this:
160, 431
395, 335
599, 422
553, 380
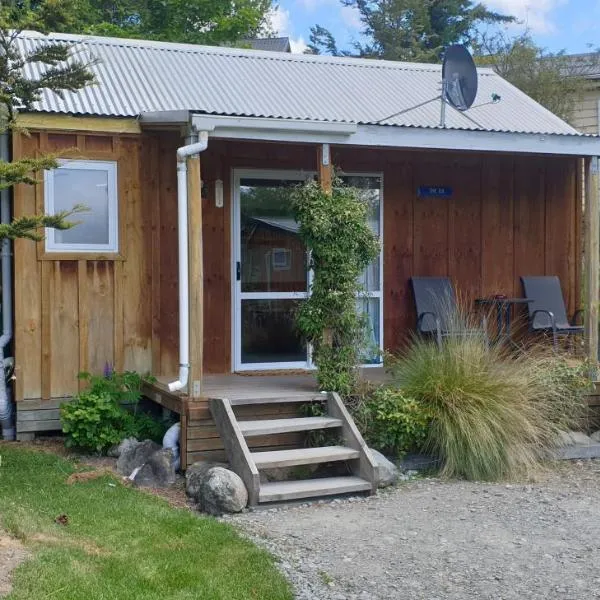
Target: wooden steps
236, 435
281, 491
303, 456
274, 426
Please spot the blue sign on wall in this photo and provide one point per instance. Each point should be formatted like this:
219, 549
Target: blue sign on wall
434, 191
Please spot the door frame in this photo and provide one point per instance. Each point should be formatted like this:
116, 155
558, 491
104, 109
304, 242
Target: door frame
236, 295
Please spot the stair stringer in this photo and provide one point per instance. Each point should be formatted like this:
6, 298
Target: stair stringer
236, 447
365, 466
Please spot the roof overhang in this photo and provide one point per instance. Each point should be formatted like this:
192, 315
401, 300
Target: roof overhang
383, 136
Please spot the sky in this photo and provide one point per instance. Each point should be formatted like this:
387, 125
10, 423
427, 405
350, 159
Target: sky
571, 25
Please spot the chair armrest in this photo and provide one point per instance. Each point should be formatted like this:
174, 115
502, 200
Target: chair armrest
545, 312
575, 315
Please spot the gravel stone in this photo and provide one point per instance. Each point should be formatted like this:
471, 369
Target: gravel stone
450, 540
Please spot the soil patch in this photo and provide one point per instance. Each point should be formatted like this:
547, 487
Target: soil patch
12, 554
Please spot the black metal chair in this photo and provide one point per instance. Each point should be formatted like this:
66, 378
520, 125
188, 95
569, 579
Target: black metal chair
436, 307
547, 312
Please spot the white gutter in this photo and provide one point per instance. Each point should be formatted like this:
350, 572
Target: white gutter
184, 288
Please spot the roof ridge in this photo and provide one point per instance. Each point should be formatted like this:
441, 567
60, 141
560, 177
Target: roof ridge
245, 52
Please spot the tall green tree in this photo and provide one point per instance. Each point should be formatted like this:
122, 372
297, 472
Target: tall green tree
411, 30
188, 21
61, 71
555, 79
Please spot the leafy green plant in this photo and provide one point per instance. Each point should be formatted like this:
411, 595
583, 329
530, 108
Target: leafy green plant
97, 419
493, 414
392, 422
92, 421
334, 226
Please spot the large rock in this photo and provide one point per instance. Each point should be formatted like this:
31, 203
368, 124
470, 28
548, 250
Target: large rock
215, 490
572, 438
135, 455
595, 437
158, 471
388, 473
116, 450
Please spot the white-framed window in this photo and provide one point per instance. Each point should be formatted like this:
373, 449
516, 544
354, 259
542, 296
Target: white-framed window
92, 183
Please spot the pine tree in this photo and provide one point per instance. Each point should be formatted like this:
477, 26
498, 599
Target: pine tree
59, 70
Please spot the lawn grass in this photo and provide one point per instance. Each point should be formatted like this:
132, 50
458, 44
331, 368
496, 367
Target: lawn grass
120, 544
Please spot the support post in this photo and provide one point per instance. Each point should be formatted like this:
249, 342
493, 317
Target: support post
325, 168
196, 277
592, 258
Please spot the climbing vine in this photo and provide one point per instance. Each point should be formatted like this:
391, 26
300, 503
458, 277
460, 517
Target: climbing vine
335, 229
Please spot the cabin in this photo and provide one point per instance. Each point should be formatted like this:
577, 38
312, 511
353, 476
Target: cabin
188, 265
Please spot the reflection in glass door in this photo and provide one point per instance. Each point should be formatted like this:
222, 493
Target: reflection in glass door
271, 275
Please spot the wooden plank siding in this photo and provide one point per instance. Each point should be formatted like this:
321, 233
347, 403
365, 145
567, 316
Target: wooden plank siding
76, 312
508, 216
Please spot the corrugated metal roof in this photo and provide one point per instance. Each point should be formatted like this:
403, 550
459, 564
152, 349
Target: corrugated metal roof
141, 76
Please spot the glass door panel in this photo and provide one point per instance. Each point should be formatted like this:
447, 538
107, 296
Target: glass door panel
272, 275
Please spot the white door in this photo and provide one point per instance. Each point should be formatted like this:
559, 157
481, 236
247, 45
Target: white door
269, 272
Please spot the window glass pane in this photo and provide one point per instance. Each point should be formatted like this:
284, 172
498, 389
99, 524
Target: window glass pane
269, 332
273, 255
369, 191
88, 187
370, 308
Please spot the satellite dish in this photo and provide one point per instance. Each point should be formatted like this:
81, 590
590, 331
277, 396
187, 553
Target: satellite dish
459, 75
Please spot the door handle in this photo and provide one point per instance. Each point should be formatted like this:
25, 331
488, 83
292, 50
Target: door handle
238, 270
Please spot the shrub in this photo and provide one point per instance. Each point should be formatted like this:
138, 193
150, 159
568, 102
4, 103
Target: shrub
493, 414
96, 419
392, 422
93, 421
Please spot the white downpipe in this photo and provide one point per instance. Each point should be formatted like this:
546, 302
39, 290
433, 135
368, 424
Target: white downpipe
7, 417
184, 288
171, 440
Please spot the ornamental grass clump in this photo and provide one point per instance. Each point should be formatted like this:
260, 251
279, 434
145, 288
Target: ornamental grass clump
494, 414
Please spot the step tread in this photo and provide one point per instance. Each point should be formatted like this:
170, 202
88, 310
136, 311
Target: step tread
303, 456
309, 488
273, 426
288, 399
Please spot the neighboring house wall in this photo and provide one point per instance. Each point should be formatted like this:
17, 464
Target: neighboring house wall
586, 114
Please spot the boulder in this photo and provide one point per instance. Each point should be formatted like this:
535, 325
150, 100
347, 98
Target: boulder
195, 475
116, 450
388, 472
572, 438
158, 471
216, 490
595, 437
135, 455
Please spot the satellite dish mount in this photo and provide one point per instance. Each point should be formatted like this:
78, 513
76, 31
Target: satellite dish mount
459, 80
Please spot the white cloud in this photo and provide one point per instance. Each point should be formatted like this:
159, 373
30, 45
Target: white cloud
536, 15
351, 17
281, 24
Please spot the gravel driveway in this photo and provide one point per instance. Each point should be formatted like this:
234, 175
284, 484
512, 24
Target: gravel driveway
433, 540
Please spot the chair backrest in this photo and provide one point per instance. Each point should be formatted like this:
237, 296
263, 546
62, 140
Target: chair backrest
547, 295
433, 295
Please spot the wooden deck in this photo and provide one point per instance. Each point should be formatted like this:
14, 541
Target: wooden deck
199, 437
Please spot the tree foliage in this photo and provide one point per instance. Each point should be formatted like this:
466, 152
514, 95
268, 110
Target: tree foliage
188, 21
555, 79
412, 30
58, 69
